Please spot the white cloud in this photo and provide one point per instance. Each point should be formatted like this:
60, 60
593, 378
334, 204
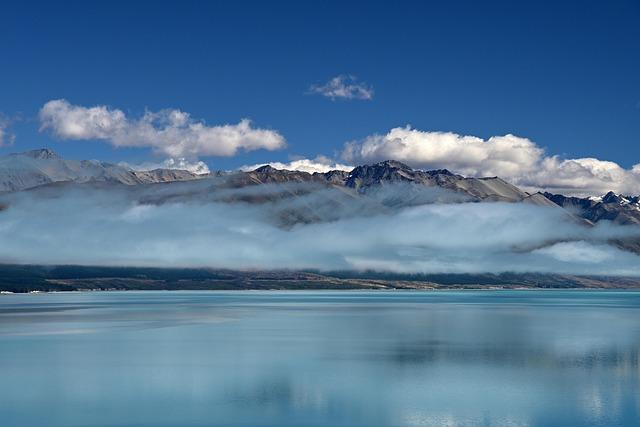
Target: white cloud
320, 164
170, 132
176, 226
343, 87
469, 155
577, 252
586, 176
197, 167
513, 158
6, 138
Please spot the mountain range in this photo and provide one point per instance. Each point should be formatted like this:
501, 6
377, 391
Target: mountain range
42, 167
301, 197
21, 171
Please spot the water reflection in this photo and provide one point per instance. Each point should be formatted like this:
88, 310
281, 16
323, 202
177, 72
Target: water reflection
319, 359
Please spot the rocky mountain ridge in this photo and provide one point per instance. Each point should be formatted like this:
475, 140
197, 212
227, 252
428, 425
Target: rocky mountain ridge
21, 171
368, 177
42, 167
613, 207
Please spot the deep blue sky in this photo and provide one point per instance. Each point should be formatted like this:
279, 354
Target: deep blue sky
565, 75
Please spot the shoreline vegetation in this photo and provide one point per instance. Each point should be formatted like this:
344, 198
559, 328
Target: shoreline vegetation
36, 278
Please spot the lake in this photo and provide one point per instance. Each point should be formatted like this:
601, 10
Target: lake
467, 358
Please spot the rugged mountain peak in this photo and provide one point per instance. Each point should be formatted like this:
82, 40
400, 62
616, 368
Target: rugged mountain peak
164, 175
41, 153
335, 177
446, 172
390, 170
570, 202
392, 164
269, 175
265, 169
611, 207
382, 169
20, 171
612, 197
280, 174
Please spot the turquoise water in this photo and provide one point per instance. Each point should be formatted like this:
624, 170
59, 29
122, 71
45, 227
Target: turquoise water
489, 358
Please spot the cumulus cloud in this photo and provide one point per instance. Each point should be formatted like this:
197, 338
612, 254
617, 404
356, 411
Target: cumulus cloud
197, 167
343, 87
470, 155
511, 157
583, 176
170, 132
320, 164
197, 224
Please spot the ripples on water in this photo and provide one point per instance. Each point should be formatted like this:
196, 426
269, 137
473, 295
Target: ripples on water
490, 358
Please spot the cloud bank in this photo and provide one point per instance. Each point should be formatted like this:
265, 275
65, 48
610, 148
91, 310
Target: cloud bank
343, 87
200, 224
170, 132
516, 159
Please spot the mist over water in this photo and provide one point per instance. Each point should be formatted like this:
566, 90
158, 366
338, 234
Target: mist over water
397, 228
506, 358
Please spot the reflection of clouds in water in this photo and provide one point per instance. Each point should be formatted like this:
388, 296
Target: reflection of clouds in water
420, 353
594, 403
267, 390
45, 332
331, 358
62, 320
420, 419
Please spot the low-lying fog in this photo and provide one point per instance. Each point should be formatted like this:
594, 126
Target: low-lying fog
400, 228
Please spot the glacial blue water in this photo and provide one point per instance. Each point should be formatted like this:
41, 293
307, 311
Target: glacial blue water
486, 358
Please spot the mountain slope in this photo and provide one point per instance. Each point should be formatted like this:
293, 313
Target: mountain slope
366, 178
30, 169
611, 207
41, 167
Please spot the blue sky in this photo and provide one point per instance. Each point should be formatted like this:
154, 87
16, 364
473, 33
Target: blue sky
566, 76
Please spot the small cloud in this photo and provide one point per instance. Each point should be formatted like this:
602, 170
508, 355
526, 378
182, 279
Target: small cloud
320, 164
343, 87
6, 138
197, 166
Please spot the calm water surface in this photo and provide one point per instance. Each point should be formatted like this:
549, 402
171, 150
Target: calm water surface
503, 358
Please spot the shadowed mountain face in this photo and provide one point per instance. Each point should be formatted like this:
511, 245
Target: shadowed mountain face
612, 207
367, 178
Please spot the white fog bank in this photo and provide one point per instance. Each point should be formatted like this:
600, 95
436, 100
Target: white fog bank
171, 227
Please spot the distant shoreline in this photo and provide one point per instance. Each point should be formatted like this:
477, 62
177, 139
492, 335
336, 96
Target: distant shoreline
36, 278
292, 290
